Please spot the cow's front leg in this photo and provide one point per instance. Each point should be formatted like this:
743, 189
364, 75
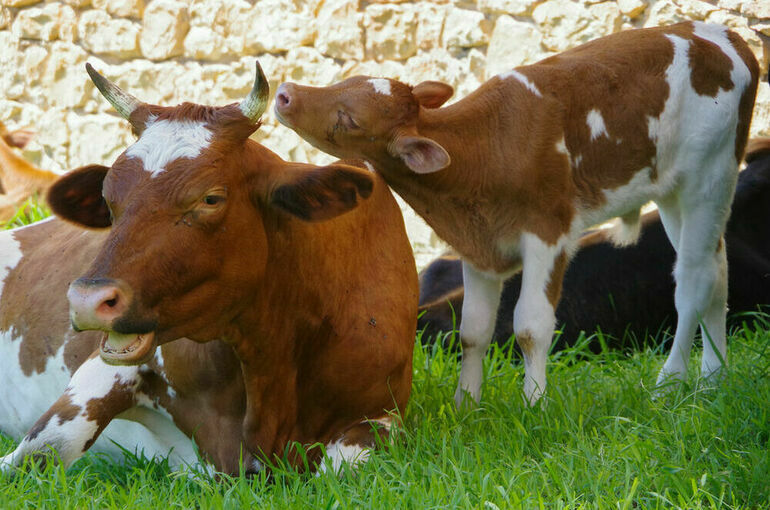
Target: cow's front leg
482, 298
97, 392
534, 316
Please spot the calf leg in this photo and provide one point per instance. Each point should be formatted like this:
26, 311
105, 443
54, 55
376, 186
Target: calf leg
701, 289
534, 315
482, 298
713, 329
96, 393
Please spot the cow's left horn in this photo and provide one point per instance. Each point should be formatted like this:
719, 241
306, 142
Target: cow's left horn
123, 102
256, 103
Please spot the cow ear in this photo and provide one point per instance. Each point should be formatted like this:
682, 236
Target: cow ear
77, 197
19, 138
432, 94
421, 154
321, 193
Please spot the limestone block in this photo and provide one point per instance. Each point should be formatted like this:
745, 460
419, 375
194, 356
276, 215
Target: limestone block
440, 65
430, 24
307, 66
65, 84
97, 139
664, 13
12, 79
695, 9
340, 34
391, 31
35, 58
756, 9
101, 34
389, 68
513, 43
466, 29
121, 8
50, 22
568, 24
632, 8
164, 27
202, 43
150, 82
227, 18
5, 17
515, 7
18, 3
297, 26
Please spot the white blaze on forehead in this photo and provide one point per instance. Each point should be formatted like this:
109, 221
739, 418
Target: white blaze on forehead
381, 85
595, 123
516, 75
164, 141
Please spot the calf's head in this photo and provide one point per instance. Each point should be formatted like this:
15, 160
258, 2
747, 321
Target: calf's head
372, 118
189, 207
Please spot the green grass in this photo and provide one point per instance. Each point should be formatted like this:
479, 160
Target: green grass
598, 440
33, 209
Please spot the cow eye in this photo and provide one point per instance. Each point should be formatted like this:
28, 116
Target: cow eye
213, 199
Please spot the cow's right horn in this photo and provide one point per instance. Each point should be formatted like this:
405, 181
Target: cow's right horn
256, 103
123, 102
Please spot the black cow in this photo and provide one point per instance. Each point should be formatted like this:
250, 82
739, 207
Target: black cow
626, 293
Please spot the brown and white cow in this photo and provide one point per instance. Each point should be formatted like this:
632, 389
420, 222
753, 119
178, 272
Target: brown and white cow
513, 173
304, 272
56, 392
19, 179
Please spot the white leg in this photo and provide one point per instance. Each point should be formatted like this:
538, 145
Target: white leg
701, 288
482, 298
96, 393
534, 316
713, 329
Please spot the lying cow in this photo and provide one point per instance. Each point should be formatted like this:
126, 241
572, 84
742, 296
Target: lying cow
512, 174
625, 292
311, 290
19, 179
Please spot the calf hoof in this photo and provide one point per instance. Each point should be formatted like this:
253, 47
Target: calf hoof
466, 399
668, 381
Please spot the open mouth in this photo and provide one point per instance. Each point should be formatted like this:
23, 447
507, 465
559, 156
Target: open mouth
120, 349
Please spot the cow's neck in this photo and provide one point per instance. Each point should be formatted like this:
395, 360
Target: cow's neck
455, 201
278, 339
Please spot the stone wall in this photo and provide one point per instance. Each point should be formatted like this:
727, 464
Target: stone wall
168, 51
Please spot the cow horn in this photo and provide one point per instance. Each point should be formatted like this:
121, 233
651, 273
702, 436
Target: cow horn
124, 103
256, 103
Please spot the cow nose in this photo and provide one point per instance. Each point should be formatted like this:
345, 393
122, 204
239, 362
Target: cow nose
95, 303
284, 97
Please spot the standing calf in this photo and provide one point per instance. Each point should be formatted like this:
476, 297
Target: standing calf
512, 174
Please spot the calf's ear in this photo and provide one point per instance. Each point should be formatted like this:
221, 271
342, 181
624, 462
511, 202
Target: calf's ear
19, 138
320, 193
77, 197
422, 155
432, 94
